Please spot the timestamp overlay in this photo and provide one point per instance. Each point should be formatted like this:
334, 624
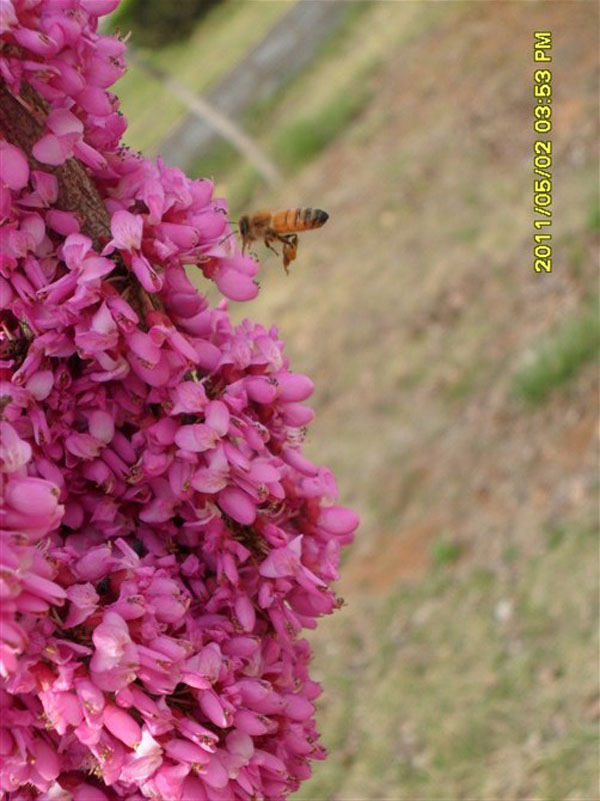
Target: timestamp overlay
542, 152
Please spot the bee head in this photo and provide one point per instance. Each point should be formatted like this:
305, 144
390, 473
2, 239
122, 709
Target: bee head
244, 225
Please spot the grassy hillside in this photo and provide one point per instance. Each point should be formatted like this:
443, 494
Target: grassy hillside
457, 395
457, 400
214, 48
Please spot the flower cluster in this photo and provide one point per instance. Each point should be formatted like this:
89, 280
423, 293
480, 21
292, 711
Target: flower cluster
164, 541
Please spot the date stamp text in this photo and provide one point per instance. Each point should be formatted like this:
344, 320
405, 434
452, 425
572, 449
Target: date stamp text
542, 153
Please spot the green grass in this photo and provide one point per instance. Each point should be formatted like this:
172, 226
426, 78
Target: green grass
331, 51
559, 358
564, 765
216, 161
593, 220
300, 141
292, 132
439, 705
445, 552
554, 536
215, 46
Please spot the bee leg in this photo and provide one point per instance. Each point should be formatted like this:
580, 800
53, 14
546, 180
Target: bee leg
290, 248
288, 242
268, 244
288, 239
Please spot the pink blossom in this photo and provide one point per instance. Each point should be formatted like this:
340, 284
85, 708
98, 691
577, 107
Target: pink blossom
45, 186
122, 725
14, 169
215, 477
84, 600
143, 763
238, 504
34, 496
126, 230
63, 222
14, 452
283, 561
101, 426
113, 644
54, 150
8, 18
338, 520
235, 285
164, 538
146, 274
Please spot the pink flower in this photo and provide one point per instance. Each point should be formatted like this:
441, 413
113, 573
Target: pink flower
62, 709
338, 520
92, 701
8, 18
293, 387
115, 660
45, 186
63, 222
140, 765
236, 285
146, 274
32, 496
84, 601
14, 452
283, 561
204, 436
126, 230
238, 505
215, 477
14, 169
59, 145
164, 540
37, 41
54, 150
122, 725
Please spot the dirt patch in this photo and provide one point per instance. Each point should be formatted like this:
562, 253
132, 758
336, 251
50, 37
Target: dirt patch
404, 555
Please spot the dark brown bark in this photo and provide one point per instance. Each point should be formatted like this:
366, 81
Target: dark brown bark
21, 119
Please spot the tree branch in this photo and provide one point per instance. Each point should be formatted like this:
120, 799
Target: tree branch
20, 125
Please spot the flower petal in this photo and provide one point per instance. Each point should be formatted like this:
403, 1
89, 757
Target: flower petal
14, 169
237, 504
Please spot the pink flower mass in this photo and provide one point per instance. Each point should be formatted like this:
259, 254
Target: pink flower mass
163, 540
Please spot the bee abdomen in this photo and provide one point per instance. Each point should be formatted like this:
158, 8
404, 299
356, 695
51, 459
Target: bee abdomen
319, 218
299, 219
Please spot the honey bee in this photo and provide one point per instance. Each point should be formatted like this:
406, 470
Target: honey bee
280, 226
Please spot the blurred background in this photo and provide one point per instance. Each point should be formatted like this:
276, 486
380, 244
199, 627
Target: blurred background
456, 390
